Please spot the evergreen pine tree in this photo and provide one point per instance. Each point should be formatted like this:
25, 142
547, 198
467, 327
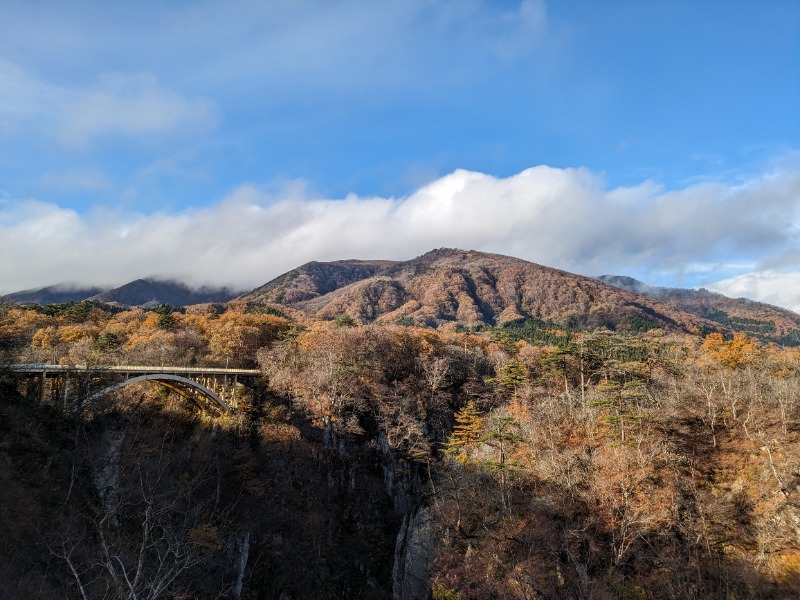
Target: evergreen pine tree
467, 432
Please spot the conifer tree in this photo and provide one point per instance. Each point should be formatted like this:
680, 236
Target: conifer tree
503, 435
467, 432
510, 377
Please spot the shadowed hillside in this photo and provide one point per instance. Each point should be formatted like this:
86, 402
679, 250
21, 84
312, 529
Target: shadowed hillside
54, 294
147, 293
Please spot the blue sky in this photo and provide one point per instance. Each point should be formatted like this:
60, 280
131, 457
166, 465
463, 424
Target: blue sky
227, 142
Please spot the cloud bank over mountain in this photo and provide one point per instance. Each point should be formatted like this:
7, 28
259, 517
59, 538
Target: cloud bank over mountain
565, 218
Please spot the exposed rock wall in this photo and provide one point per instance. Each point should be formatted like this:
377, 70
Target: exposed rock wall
411, 578
106, 470
411, 572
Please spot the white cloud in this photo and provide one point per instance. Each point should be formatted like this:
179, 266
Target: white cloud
780, 289
564, 218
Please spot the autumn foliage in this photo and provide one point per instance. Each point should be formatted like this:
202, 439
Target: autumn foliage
608, 465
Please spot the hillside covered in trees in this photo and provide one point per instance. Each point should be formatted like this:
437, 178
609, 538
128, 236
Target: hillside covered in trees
469, 289
766, 322
508, 453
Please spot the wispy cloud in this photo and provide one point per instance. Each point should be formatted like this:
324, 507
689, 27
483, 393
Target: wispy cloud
356, 46
565, 218
24, 98
81, 180
360, 46
116, 105
133, 105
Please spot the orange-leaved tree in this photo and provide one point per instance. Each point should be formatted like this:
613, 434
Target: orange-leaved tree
736, 353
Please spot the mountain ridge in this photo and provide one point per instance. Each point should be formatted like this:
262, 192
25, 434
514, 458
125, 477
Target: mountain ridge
314, 279
762, 320
54, 294
461, 288
148, 293
141, 293
472, 289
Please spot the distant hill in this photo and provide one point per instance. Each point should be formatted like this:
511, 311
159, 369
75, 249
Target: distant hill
758, 319
54, 294
468, 288
146, 293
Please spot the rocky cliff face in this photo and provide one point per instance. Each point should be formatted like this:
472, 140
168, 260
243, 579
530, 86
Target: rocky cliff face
106, 470
414, 544
411, 576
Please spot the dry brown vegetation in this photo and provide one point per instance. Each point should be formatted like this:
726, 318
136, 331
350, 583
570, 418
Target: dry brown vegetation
621, 468
611, 465
315, 279
767, 322
467, 288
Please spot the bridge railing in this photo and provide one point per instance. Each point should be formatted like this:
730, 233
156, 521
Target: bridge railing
42, 380
48, 368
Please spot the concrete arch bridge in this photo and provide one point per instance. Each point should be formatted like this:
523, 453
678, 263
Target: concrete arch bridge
210, 388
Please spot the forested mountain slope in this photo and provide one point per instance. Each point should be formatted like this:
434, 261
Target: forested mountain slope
470, 289
758, 319
464, 289
315, 279
384, 461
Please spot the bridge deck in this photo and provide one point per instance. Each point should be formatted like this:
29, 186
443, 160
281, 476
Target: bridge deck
216, 384
171, 369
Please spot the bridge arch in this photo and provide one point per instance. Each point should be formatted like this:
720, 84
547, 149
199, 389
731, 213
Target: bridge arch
174, 382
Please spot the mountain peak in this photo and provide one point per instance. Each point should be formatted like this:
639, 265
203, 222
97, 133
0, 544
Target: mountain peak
150, 292
467, 288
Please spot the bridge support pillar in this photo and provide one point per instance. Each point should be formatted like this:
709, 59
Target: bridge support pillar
65, 390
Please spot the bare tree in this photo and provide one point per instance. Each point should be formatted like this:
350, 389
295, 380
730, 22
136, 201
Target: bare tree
150, 526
